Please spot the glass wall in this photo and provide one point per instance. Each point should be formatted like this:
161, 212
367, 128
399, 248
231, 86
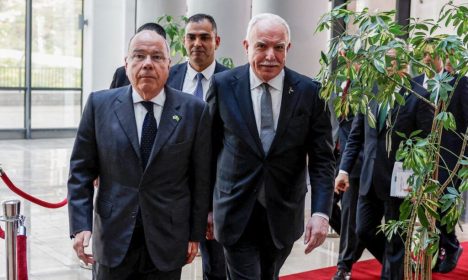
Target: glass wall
52, 98
12, 61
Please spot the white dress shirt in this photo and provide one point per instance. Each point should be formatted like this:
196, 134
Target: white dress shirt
256, 90
140, 110
190, 80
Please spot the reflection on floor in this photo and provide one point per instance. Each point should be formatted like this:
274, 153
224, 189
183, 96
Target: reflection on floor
40, 167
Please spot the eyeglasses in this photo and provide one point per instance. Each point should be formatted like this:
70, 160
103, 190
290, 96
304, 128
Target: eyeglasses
140, 57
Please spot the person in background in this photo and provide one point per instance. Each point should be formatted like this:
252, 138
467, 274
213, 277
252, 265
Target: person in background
201, 41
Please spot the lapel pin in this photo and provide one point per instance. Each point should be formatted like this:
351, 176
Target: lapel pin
176, 118
290, 90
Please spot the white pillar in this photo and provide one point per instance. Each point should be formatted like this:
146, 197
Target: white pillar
232, 17
150, 10
302, 17
105, 39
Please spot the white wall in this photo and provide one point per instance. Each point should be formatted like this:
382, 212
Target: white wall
231, 18
302, 17
105, 41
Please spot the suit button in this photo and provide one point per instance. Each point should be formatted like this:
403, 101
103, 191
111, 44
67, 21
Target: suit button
134, 214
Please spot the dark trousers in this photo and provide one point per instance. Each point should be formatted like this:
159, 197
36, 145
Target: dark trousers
350, 246
370, 212
136, 264
214, 266
254, 256
335, 218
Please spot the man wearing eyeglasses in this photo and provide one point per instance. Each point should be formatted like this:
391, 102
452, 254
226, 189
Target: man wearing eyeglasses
150, 146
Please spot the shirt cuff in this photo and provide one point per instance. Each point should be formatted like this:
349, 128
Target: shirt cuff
343, 172
321, 215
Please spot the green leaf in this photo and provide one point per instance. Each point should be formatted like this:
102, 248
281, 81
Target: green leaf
379, 65
324, 57
422, 217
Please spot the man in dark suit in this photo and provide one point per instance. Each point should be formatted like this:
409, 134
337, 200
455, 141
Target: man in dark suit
451, 145
150, 146
201, 41
269, 122
120, 78
374, 201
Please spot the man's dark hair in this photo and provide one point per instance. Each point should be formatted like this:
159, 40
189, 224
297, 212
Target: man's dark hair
152, 27
201, 17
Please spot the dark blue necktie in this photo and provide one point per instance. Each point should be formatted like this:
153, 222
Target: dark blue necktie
148, 133
199, 89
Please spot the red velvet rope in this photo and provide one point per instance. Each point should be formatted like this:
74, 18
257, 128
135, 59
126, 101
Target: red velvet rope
28, 196
2, 233
21, 257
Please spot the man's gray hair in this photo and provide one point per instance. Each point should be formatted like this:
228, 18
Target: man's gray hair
269, 17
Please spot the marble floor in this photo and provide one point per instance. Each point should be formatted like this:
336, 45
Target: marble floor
40, 167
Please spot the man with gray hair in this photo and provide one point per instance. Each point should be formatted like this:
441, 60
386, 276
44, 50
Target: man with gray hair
269, 125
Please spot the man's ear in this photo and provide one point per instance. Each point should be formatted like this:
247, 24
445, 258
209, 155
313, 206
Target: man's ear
218, 41
126, 63
246, 46
289, 46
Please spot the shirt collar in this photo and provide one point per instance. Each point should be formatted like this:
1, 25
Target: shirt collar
158, 99
207, 73
426, 78
276, 82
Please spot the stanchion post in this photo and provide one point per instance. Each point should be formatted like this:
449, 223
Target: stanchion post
11, 214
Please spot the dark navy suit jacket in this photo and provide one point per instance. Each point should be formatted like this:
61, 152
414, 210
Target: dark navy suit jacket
178, 71
303, 133
171, 193
377, 165
451, 141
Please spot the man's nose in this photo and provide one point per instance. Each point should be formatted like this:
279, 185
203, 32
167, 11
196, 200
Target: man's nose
270, 54
147, 62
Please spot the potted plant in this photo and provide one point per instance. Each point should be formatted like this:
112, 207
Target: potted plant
369, 45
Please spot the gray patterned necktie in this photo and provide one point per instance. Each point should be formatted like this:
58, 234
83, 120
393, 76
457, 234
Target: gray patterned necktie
267, 128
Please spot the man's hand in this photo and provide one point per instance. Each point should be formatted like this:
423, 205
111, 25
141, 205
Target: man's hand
80, 242
209, 227
192, 251
341, 182
315, 233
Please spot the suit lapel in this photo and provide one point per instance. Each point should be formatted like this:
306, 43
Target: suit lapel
241, 86
126, 116
170, 118
289, 100
179, 76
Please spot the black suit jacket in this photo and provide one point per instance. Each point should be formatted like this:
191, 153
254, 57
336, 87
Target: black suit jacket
172, 193
120, 78
303, 131
451, 142
377, 165
178, 72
